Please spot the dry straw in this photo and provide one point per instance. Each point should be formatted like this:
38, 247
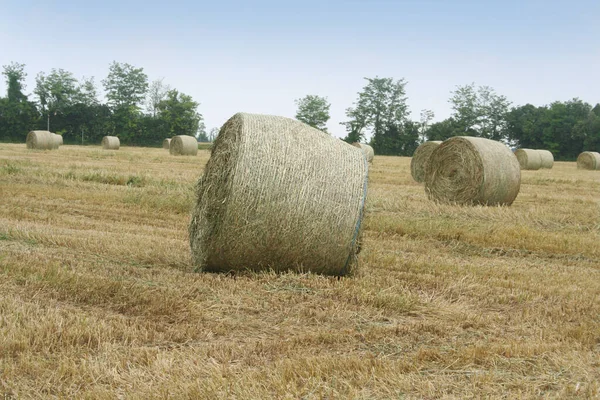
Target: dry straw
369, 152
420, 159
470, 170
547, 159
529, 159
58, 140
589, 160
183, 145
166, 143
268, 201
111, 143
41, 140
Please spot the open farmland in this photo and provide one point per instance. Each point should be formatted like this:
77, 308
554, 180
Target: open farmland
98, 299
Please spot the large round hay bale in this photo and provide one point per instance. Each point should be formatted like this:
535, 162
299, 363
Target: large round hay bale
111, 143
57, 141
547, 159
529, 159
368, 150
183, 145
471, 170
40, 140
268, 201
420, 159
166, 143
589, 160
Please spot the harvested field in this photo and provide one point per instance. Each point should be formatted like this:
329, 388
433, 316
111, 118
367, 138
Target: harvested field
99, 299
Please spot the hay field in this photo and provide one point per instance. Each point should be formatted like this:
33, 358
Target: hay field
98, 299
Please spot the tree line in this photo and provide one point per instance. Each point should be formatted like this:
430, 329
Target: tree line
140, 113
380, 112
143, 113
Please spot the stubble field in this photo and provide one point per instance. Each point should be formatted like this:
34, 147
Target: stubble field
98, 299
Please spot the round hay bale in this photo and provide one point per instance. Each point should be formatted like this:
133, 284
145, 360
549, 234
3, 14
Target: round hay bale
40, 140
166, 143
529, 159
471, 170
588, 160
268, 201
368, 150
57, 141
183, 145
420, 159
111, 143
547, 159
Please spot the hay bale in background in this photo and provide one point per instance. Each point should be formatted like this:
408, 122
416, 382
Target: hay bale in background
268, 201
588, 160
471, 170
547, 159
420, 159
183, 145
40, 140
166, 143
368, 150
111, 143
57, 141
529, 159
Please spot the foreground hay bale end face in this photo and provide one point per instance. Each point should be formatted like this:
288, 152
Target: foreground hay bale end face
589, 160
368, 150
268, 201
470, 170
183, 145
111, 143
529, 159
166, 143
420, 159
41, 140
547, 159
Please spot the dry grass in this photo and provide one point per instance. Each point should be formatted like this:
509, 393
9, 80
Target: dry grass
99, 300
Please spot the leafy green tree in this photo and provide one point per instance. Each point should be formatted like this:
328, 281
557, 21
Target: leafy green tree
17, 115
156, 93
125, 86
426, 118
479, 112
380, 109
179, 114
56, 92
441, 130
314, 111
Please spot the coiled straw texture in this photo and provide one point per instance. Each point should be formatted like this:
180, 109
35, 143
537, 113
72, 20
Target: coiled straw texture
471, 170
41, 140
111, 143
420, 159
183, 145
588, 160
268, 201
529, 159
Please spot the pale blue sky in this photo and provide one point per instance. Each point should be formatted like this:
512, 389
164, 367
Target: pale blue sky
259, 56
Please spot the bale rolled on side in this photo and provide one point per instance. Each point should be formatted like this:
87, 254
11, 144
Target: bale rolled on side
166, 143
183, 145
589, 160
547, 159
368, 150
420, 159
57, 141
111, 143
471, 170
268, 201
529, 159
40, 140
